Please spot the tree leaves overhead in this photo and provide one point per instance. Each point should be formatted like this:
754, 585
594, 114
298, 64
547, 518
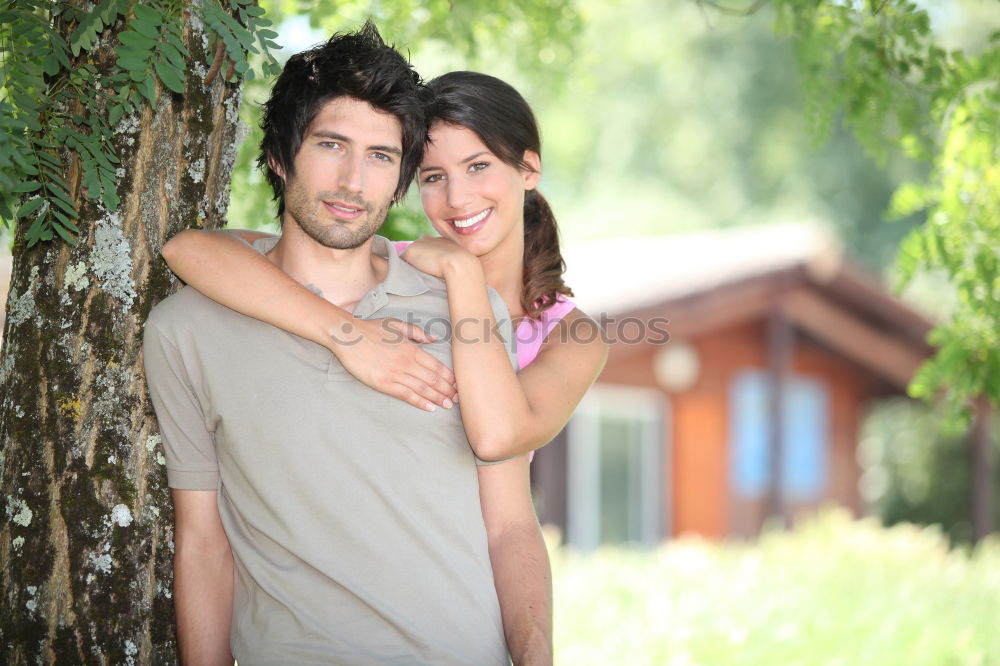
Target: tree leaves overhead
46, 79
881, 68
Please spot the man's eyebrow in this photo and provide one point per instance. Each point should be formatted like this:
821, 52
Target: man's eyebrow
392, 150
328, 134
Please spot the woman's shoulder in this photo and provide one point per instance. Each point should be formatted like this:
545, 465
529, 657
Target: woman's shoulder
577, 334
563, 330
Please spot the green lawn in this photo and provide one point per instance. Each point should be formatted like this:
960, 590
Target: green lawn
832, 592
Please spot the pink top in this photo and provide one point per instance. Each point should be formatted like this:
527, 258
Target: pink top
530, 333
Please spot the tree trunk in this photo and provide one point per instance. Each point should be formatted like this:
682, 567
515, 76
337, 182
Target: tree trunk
86, 547
984, 468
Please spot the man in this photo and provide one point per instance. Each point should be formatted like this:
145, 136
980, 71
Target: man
319, 521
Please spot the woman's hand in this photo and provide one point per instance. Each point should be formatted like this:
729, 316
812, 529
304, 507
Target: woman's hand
435, 256
381, 353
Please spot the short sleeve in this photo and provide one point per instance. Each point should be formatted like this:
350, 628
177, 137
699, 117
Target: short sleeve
188, 444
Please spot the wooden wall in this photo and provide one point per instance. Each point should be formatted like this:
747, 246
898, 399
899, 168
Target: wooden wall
699, 426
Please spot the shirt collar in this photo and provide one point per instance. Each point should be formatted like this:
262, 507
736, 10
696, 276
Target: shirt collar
401, 278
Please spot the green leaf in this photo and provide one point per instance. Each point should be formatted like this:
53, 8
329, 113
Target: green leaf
148, 89
86, 32
176, 42
115, 114
29, 207
173, 56
170, 77
136, 41
145, 28
62, 218
26, 186
132, 65
69, 224
36, 231
51, 65
48, 158
63, 203
148, 15
64, 233
110, 198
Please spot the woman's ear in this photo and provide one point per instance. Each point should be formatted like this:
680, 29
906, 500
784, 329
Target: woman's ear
534, 170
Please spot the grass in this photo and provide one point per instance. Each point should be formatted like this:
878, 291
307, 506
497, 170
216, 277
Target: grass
832, 592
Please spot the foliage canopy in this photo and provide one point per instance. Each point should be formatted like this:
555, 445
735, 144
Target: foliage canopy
879, 67
52, 99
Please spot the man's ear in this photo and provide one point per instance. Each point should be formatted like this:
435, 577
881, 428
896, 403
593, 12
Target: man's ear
275, 167
534, 170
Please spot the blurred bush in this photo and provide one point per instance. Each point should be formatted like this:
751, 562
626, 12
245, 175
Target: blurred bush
831, 592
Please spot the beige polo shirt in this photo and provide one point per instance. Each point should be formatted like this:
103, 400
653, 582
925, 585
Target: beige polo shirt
354, 518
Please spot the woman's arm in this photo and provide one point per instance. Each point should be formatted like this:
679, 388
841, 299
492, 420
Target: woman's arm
226, 269
507, 414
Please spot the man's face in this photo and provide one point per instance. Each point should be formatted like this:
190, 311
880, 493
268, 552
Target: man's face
346, 172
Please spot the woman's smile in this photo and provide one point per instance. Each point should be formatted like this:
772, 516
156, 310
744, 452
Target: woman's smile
470, 224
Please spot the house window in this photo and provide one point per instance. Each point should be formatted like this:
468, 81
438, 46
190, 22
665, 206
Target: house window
615, 468
805, 428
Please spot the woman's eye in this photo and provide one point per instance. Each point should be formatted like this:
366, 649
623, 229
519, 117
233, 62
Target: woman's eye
433, 178
478, 166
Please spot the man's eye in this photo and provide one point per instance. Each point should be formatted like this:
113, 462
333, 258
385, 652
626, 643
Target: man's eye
330, 144
382, 157
478, 166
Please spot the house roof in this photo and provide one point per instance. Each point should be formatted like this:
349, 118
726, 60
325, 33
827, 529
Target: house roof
708, 280
625, 274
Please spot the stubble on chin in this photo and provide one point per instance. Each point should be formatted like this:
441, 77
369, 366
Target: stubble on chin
335, 234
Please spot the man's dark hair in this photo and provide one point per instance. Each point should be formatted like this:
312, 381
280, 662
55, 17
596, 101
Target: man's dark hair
358, 65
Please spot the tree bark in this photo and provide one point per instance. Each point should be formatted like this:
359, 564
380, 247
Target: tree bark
86, 547
984, 467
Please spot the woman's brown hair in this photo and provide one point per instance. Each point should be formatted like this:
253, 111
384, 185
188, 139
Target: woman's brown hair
502, 119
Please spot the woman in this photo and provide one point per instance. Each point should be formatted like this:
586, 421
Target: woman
477, 184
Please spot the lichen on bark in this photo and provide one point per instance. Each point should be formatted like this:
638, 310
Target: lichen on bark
86, 546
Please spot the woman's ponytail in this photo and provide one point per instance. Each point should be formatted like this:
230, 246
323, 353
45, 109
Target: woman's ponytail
543, 262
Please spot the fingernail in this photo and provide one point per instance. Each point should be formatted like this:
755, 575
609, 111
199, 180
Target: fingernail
455, 398
430, 407
447, 403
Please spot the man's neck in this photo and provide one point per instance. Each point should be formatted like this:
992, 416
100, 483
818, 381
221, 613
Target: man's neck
340, 276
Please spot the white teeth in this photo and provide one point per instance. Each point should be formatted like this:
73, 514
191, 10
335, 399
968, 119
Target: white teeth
462, 224
346, 210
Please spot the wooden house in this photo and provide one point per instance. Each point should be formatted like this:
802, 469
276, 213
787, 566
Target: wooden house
766, 325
